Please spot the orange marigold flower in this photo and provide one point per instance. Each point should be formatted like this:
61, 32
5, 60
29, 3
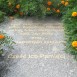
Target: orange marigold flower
74, 14
48, 9
21, 13
2, 36
63, 2
18, 6
74, 43
49, 3
66, 3
58, 11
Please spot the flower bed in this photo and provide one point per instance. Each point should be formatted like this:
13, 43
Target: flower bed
70, 25
38, 8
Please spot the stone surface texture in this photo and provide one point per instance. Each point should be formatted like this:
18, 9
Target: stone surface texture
41, 42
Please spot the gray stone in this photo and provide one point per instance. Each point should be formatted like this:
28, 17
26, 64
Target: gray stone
2, 65
41, 58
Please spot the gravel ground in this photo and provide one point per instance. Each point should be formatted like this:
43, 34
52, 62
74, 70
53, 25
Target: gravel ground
39, 49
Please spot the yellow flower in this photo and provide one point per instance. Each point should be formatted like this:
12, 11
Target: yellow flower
74, 43
63, 2
48, 9
66, 3
74, 14
18, 6
2, 36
